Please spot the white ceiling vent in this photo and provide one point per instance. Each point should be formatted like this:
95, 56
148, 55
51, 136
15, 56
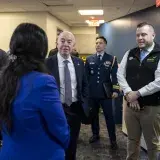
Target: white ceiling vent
57, 2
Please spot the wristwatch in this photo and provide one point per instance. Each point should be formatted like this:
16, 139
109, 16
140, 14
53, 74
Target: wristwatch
138, 94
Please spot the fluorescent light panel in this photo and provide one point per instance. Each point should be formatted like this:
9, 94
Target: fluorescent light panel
90, 12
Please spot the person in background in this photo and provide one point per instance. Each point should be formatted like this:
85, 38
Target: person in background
69, 73
53, 51
101, 69
3, 58
75, 53
139, 78
32, 119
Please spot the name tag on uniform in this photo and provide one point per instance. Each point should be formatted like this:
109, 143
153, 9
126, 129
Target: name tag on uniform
92, 63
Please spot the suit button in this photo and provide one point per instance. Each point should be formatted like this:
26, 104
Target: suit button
97, 81
98, 77
98, 68
98, 73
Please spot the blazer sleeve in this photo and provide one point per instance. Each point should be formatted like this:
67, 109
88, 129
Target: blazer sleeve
51, 109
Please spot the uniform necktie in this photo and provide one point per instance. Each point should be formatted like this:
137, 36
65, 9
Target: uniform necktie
99, 58
67, 81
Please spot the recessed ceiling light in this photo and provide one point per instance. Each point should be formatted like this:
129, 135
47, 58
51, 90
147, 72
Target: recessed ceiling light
90, 12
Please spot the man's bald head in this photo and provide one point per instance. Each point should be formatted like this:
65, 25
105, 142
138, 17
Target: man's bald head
65, 43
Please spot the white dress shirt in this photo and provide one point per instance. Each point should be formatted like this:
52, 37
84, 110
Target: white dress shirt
149, 89
61, 76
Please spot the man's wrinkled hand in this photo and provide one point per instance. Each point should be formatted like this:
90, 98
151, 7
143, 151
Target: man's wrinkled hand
134, 105
132, 96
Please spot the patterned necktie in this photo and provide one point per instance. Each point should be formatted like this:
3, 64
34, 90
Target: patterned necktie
67, 81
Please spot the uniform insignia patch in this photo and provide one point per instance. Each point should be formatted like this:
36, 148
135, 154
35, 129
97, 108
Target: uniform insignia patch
107, 63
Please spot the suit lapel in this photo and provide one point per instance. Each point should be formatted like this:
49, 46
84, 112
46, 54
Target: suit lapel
55, 70
95, 59
77, 68
102, 61
104, 58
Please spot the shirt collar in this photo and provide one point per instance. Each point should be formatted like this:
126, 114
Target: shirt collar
101, 53
61, 59
150, 48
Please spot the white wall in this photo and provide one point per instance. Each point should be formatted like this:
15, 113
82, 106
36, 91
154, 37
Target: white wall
83, 30
9, 21
85, 36
85, 39
52, 25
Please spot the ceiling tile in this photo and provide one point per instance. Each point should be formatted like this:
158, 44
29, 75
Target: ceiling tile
117, 3
67, 10
88, 3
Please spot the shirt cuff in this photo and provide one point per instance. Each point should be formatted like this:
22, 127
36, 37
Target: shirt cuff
127, 90
143, 92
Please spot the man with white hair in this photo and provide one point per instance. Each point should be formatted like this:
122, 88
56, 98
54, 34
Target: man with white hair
69, 73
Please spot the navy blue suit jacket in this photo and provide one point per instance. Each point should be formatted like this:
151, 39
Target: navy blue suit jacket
82, 87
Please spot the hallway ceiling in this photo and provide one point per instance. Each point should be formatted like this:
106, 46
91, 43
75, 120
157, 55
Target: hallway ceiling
67, 10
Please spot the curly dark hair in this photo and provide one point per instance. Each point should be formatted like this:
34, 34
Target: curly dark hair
29, 44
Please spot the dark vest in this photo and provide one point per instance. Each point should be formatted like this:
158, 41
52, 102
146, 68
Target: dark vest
139, 74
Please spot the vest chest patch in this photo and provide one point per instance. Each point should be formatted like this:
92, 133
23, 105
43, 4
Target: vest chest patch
130, 58
152, 59
107, 63
92, 63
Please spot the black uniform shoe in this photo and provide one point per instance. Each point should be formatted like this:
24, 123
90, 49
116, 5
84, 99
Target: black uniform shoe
94, 138
114, 146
